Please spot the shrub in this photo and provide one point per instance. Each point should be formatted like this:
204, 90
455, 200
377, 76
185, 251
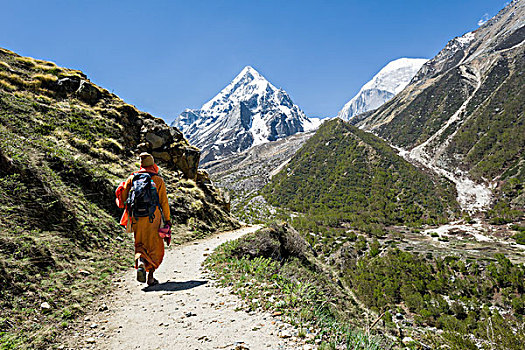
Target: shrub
519, 237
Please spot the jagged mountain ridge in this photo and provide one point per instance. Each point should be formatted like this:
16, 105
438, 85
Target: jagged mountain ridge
462, 114
388, 82
248, 112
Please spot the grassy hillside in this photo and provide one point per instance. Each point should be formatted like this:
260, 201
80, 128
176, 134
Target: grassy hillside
343, 174
274, 269
65, 144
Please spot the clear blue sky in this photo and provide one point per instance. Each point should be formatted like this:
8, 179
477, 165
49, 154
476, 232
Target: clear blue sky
165, 56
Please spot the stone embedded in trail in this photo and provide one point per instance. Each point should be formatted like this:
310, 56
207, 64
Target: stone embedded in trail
285, 334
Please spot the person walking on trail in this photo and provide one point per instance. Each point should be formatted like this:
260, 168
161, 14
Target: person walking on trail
144, 193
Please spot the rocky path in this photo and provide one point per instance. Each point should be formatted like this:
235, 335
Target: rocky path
185, 311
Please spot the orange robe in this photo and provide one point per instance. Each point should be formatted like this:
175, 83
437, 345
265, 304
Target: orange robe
148, 244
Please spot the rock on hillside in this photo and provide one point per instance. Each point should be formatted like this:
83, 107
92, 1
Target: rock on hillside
248, 112
463, 114
65, 144
390, 80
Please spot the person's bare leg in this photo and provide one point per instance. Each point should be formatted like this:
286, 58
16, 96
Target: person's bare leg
151, 280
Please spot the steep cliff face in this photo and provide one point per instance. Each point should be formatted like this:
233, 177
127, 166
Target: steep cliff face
463, 113
65, 144
248, 112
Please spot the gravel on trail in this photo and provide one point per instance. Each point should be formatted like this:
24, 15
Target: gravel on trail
185, 310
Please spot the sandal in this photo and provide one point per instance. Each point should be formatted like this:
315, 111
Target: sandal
141, 272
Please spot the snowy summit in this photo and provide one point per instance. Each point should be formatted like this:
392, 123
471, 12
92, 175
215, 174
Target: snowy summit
390, 80
248, 112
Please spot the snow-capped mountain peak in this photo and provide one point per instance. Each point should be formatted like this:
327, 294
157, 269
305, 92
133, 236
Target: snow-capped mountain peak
247, 112
247, 82
388, 82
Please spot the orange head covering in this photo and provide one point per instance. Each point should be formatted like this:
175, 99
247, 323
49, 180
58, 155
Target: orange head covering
147, 163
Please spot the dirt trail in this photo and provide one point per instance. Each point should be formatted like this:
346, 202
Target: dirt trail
185, 311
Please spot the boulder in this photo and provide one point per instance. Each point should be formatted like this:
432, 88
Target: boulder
278, 242
68, 84
143, 147
188, 161
164, 156
88, 93
203, 178
155, 140
175, 133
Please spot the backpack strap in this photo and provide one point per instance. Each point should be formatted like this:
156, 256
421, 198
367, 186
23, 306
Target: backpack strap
158, 197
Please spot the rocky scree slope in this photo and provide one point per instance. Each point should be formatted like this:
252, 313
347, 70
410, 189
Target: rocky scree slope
65, 144
388, 82
248, 112
243, 175
463, 115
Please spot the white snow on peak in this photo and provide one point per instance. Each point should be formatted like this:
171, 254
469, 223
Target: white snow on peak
465, 39
395, 75
247, 83
387, 83
247, 112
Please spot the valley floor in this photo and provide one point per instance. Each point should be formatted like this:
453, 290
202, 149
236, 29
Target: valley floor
185, 311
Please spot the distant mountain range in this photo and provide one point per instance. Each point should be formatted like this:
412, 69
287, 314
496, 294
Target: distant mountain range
251, 111
248, 112
390, 80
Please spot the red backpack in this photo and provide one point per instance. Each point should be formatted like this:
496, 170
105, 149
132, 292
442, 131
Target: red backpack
121, 203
